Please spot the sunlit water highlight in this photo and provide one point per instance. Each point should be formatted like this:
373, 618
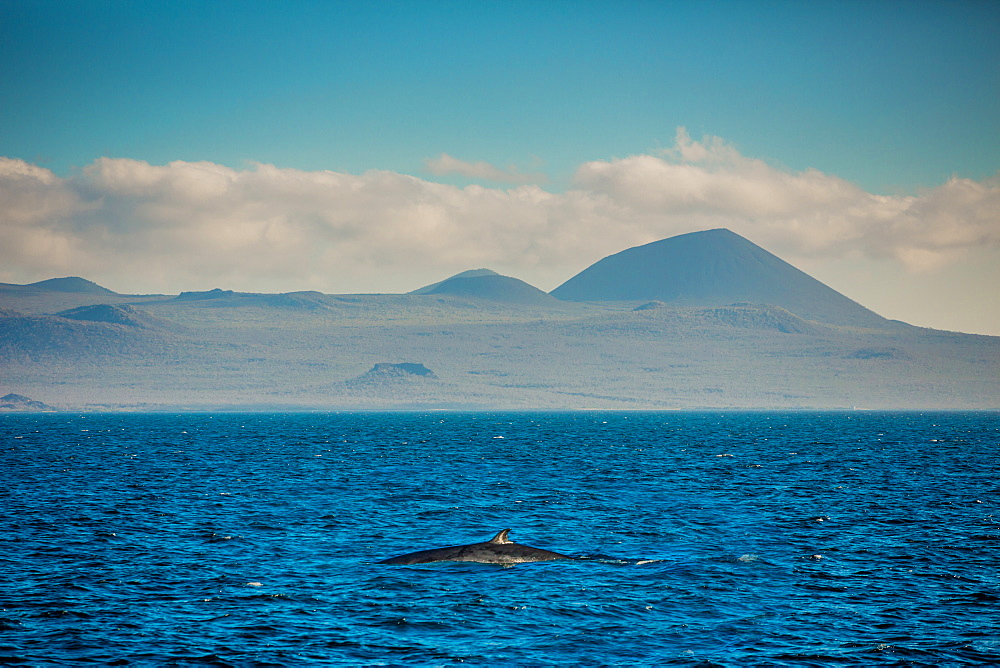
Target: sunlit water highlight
721, 539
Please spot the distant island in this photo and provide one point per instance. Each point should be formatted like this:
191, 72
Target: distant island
17, 402
705, 320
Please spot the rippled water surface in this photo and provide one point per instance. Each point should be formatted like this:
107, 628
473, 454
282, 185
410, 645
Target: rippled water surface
251, 539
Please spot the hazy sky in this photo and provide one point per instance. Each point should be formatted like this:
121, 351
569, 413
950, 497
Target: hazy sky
377, 147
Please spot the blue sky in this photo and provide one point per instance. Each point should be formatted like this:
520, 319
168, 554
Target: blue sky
888, 95
893, 98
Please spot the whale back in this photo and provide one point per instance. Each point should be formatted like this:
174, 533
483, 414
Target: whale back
497, 550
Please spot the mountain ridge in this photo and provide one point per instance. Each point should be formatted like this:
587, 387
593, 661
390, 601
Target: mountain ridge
709, 268
71, 284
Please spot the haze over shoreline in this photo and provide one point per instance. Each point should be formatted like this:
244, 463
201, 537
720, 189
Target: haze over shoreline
706, 320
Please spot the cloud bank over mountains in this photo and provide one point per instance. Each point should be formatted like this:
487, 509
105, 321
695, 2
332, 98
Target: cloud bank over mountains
183, 225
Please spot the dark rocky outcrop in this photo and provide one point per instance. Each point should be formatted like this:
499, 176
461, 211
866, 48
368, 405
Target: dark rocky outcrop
214, 293
399, 370
387, 375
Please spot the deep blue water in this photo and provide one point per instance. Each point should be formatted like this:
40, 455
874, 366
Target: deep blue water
250, 539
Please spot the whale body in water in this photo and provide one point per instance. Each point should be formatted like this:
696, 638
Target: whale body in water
497, 550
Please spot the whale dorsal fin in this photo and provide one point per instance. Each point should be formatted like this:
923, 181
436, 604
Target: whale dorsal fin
501, 538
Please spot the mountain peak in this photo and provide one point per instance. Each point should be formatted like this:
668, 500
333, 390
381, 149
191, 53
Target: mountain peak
471, 273
492, 287
712, 268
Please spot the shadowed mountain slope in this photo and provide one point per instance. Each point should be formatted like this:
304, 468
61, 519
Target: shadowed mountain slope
713, 268
493, 287
119, 315
33, 338
116, 314
762, 317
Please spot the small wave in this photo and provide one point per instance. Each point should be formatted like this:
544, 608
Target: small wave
219, 538
618, 561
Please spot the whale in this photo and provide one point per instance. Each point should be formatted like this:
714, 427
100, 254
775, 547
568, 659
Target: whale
497, 550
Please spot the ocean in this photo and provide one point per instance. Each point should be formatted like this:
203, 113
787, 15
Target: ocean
714, 539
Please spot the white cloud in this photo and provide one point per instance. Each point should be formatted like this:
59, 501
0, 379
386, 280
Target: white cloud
446, 164
196, 225
709, 184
